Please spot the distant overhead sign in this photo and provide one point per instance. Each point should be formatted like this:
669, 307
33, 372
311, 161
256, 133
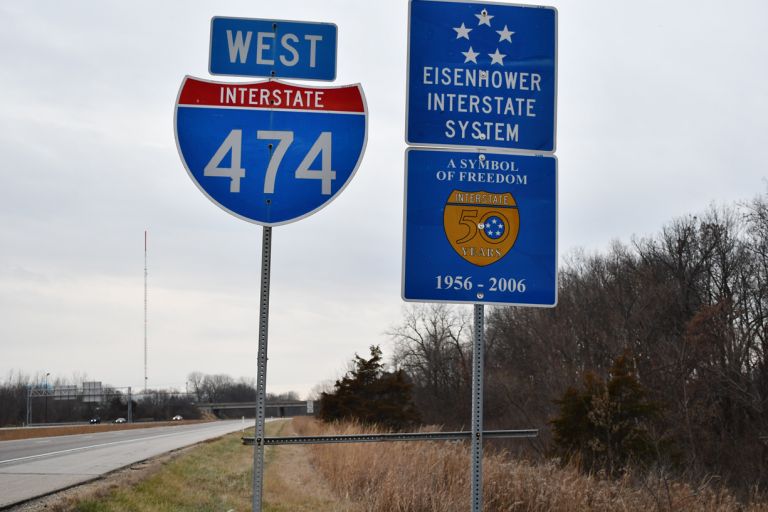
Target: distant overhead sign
481, 75
93, 392
273, 48
270, 152
65, 392
480, 227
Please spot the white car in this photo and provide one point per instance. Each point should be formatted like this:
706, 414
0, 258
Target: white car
120, 420
177, 418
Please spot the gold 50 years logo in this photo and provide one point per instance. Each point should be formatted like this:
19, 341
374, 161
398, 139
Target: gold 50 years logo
481, 226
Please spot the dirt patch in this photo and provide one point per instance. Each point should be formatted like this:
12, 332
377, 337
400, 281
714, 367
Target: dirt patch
292, 484
12, 434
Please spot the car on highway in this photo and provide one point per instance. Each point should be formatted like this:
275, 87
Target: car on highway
177, 418
120, 420
94, 420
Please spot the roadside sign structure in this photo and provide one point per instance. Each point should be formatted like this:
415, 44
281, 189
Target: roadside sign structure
481, 75
480, 221
480, 228
270, 152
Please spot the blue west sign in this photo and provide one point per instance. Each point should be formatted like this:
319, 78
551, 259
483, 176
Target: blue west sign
480, 227
273, 48
270, 152
481, 75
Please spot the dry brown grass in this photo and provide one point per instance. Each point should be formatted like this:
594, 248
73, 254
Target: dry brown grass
68, 430
434, 477
291, 484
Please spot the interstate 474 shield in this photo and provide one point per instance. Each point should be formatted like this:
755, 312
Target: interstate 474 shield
480, 227
270, 152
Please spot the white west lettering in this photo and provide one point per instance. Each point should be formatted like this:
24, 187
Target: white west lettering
261, 47
237, 47
284, 41
313, 40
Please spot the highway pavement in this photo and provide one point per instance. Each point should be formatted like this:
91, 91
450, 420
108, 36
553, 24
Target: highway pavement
30, 468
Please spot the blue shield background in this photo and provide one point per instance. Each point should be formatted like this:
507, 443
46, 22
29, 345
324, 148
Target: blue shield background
201, 130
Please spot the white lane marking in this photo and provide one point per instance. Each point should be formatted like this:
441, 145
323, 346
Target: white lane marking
44, 441
91, 446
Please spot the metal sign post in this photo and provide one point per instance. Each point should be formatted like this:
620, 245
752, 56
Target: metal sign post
29, 407
261, 377
130, 405
477, 409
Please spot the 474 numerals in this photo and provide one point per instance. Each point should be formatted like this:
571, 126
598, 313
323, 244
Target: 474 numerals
233, 144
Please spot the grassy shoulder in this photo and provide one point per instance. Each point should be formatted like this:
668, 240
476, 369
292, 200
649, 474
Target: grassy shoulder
217, 476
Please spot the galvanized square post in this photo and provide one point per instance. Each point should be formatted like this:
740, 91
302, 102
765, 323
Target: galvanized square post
261, 377
477, 409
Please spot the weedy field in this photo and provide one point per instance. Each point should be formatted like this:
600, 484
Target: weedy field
434, 477
385, 477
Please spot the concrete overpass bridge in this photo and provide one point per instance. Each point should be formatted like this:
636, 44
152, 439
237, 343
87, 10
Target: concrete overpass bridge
276, 409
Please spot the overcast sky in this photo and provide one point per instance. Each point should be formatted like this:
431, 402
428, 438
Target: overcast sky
662, 110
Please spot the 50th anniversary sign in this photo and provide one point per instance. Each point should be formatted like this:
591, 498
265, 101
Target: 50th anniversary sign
480, 227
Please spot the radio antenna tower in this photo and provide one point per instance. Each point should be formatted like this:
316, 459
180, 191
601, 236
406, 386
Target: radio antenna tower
145, 310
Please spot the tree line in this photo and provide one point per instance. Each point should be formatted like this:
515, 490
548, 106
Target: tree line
223, 388
672, 326
21, 395
112, 403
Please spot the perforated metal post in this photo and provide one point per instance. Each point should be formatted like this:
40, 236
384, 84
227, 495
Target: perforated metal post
29, 406
477, 410
261, 377
130, 406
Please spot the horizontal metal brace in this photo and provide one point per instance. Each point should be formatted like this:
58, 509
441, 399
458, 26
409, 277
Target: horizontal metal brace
375, 438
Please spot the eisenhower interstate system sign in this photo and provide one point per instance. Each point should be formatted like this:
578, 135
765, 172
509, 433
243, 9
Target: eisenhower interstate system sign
270, 152
480, 227
481, 75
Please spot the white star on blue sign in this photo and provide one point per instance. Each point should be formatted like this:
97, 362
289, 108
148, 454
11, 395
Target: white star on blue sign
484, 18
462, 31
493, 227
470, 56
